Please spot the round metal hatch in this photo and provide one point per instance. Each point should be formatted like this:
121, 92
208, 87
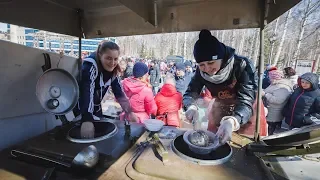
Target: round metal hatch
57, 91
216, 157
103, 130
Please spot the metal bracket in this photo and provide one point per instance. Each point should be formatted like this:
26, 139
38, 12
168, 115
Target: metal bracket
47, 62
80, 17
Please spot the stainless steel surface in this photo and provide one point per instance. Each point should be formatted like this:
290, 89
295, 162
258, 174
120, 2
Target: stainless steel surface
87, 158
21, 69
59, 86
96, 139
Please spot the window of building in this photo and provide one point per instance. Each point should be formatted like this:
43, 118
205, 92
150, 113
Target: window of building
30, 44
29, 38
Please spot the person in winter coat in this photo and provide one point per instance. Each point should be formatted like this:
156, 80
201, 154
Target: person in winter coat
181, 81
189, 71
123, 66
139, 92
169, 102
290, 74
129, 69
304, 103
99, 72
276, 96
155, 76
266, 80
231, 80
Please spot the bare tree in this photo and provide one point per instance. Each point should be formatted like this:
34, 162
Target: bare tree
273, 40
276, 57
301, 31
317, 54
256, 47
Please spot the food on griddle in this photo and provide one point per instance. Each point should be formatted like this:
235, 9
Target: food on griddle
199, 138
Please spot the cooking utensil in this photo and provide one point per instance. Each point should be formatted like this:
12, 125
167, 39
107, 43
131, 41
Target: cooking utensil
87, 158
202, 150
161, 149
153, 125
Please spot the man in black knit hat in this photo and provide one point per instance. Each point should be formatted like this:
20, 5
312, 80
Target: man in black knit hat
231, 80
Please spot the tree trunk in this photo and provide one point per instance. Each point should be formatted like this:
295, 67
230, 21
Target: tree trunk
242, 42
290, 59
317, 53
222, 35
233, 41
251, 49
303, 24
273, 40
256, 51
277, 56
177, 44
185, 45
316, 64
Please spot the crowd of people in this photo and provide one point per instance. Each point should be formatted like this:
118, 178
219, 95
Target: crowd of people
226, 81
296, 100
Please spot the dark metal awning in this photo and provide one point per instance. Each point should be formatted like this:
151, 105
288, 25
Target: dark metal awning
105, 18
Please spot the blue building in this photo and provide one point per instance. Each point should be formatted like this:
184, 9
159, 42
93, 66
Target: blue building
26, 36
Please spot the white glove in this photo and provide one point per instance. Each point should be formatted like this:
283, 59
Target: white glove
192, 113
227, 125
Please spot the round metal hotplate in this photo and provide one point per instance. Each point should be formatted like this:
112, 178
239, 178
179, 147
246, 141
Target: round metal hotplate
103, 130
219, 156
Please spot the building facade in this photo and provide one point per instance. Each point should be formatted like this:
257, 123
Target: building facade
51, 41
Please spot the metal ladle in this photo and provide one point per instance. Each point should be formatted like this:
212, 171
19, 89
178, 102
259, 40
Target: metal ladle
87, 158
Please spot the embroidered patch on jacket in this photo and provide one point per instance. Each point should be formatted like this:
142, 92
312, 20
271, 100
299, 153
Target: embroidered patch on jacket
225, 95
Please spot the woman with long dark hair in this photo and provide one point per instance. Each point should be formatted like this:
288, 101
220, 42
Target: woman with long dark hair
100, 71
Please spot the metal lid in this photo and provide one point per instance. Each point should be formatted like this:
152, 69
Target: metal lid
57, 91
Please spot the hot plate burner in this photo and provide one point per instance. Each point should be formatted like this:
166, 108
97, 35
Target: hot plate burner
218, 156
103, 130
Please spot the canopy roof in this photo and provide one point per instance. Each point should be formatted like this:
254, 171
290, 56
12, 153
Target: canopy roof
105, 18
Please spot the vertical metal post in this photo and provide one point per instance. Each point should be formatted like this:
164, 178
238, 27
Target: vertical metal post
263, 22
155, 8
79, 50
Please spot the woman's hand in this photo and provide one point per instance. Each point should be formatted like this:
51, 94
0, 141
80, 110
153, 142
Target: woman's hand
192, 113
263, 93
132, 117
228, 124
87, 130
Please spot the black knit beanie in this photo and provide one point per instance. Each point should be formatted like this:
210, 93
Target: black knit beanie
208, 47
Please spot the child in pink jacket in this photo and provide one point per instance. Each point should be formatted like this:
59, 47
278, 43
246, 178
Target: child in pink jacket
139, 92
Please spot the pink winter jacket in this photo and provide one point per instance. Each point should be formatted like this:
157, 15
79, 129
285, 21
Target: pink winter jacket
140, 97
